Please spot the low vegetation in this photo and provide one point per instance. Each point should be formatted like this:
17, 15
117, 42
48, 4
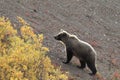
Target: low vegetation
22, 56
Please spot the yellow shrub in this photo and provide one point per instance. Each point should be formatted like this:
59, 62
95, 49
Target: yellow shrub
23, 57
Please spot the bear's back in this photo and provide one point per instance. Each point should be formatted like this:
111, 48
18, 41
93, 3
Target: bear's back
81, 46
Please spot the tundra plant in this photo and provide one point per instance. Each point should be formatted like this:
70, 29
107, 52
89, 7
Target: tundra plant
22, 56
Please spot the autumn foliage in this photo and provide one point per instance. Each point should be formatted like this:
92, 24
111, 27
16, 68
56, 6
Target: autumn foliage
22, 56
116, 76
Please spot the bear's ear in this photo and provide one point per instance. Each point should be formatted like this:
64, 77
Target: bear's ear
61, 30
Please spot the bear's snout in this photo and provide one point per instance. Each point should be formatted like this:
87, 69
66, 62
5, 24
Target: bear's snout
55, 37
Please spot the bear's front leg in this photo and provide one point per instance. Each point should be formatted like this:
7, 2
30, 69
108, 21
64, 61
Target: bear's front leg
83, 64
69, 55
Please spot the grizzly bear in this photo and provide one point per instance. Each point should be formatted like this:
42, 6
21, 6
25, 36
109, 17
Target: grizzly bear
78, 48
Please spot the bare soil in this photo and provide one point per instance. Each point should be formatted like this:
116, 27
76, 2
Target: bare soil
94, 21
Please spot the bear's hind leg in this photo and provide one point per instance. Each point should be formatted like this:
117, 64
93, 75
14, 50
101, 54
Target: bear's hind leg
92, 68
83, 64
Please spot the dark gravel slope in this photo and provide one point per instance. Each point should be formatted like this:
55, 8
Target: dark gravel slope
94, 21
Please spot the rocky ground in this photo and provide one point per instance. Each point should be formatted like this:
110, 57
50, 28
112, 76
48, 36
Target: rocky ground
94, 21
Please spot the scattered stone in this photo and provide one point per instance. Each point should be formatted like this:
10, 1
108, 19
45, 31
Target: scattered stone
34, 10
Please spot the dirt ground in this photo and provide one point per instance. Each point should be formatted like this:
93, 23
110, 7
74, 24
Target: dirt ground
94, 21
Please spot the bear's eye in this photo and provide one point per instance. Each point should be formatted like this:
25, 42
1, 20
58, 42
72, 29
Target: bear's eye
64, 34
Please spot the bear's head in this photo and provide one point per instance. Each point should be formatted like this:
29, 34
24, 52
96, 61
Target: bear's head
62, 35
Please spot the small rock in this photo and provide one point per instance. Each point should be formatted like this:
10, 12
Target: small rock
116, 22
34, 10
104, 34
108, 39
